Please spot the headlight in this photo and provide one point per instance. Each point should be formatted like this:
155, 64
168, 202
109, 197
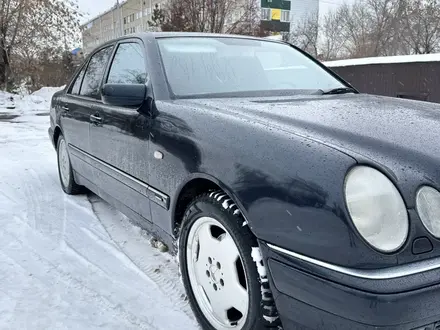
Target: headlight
428, 208
376, 208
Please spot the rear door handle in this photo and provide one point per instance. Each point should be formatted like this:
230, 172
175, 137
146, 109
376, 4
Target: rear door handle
96, 119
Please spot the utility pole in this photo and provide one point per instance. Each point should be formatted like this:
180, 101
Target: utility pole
151, 12
142, 15
113, 23
121, 19
100, 29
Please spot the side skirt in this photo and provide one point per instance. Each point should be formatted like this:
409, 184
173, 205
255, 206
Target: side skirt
135, 218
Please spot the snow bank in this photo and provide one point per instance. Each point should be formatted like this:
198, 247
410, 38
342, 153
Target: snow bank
47, 92
38, 101
385, 60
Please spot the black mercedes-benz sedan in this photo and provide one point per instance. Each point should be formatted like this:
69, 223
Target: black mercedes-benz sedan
290, 199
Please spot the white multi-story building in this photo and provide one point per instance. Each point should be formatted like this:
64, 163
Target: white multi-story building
282, 16
126, 17
301, 10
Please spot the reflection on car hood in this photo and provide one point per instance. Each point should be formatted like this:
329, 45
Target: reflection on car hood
400, 135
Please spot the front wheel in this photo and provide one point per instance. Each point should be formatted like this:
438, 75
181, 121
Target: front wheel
219, 274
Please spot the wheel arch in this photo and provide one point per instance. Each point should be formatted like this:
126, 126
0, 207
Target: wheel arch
56, 134
195, 185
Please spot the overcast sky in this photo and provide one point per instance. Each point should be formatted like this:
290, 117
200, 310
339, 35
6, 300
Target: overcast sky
93, 7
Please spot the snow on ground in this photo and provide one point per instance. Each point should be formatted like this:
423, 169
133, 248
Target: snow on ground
73, 262
385, 60
38, 101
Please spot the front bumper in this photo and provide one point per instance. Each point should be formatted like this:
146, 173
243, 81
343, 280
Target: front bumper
311, 295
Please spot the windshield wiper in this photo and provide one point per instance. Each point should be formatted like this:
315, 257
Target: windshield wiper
341, 90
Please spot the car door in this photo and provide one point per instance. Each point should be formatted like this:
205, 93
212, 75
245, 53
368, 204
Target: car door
119, 135
76, 108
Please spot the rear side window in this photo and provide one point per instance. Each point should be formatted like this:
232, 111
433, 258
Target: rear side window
77, 84
95, 72
128, 66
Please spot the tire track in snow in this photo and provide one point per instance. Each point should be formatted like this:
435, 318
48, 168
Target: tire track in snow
114, 249
167, 282
31, 206
92, 295
32, 197
37, 198
7, 196
42, 235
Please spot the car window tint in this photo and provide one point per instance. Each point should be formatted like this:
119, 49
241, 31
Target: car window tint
128, 66
95, 72
77, 84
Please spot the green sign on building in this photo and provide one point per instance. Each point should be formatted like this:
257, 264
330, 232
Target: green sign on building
275, 15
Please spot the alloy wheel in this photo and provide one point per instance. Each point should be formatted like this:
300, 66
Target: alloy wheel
216, 274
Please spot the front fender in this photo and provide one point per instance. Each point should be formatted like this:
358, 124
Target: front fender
289, 187
291, 191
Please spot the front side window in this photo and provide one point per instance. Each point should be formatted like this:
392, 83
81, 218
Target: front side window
95, 72
128, 66
211, 65
77, 84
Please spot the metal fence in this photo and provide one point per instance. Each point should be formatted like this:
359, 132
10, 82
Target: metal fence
417, 81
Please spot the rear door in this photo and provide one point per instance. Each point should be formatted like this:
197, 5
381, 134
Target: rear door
78, 105
119, 135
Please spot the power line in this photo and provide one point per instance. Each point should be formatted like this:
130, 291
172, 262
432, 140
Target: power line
331, 2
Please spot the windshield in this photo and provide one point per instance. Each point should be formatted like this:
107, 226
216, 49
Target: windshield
207, 65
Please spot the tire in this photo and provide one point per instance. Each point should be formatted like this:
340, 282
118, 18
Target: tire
65, 171
212, 226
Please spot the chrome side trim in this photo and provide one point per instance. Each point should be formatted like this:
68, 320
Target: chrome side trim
153, 194
374, 274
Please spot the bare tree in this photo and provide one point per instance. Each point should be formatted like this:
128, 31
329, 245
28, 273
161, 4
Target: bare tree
371, 27
356, 22
246, 19
215, 16
368, 28
23, 21
36, 68
331, 40
176, 17
422, 25
386, 18
305, 34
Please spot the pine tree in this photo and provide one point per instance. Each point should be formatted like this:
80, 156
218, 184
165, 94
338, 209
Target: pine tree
158, 18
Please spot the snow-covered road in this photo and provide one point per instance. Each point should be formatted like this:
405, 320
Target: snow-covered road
74, 262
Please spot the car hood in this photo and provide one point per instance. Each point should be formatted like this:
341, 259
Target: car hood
402, 137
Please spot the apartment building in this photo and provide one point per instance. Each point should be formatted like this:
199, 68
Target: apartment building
132, 16
126, 17
281, 16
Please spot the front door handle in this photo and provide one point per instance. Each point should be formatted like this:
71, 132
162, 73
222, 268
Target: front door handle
65, 107
96, 119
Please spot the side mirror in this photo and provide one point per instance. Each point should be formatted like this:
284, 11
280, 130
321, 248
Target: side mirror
124, 94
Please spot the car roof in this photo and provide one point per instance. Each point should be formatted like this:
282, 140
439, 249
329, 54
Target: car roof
157, 35
195, 34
